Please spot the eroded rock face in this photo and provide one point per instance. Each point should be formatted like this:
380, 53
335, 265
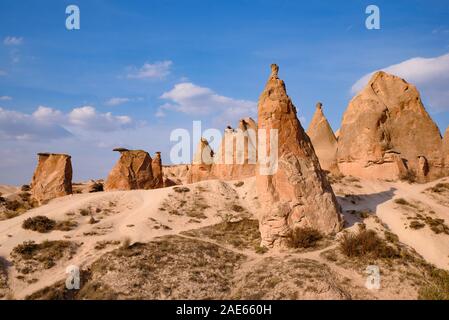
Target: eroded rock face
323, 140
388, 118
156, 166
298, 193
132, 171
52, 177
201, 168
237, 155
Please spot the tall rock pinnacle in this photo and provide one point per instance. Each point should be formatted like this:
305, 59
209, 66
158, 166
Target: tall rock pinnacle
323, 140
298, 193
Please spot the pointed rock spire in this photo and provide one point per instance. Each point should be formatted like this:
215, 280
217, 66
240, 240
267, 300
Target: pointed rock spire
323, 140
298, 193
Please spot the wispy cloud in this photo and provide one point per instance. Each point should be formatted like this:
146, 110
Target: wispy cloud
116, 101
157, 70
5, 98
192, 99
12, 41
3, 73
430, 75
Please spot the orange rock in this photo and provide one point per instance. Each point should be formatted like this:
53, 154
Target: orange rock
237, 154
387, 117
298, 194
52, 177
132, 171
323, 140
201, 168
156, 166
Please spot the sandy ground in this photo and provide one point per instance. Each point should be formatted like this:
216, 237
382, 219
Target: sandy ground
378, 197
137, 215
134, 216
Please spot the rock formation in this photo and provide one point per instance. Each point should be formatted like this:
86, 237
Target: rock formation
237, 155
132, 171
298, 193
386, 133
52, 177
176, 174
323, 140
156, 167
446, 151
201, 168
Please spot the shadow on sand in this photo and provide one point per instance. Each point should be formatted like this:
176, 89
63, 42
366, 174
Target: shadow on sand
367, 203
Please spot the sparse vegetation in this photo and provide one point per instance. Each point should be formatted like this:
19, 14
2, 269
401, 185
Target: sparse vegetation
437, 288
181, 189
402, 202
366, 243
40, 224
305, 238
29, 256
416, 225
439, 188
243, 234
43, 224
85, 212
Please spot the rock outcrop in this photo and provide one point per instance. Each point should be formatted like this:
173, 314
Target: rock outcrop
201, 168
176, 174
156, 166
386, 133
323, 140
132, 171
237, 155
298, 193
446, 151
52, 177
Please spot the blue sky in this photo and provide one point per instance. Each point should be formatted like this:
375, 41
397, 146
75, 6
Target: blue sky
138, 69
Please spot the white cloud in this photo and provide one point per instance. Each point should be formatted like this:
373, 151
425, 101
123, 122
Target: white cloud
191, 99
3, 72
157, 70
116, 101
48, 123
13, 41
20, 126
5, 98
87, 118
430, 75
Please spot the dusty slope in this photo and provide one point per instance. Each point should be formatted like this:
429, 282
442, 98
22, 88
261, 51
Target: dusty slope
171, 224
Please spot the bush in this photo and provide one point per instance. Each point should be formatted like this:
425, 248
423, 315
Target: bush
440, 187
40, 224
402, 202
366, 243
181, 189
305, 238
416, 225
